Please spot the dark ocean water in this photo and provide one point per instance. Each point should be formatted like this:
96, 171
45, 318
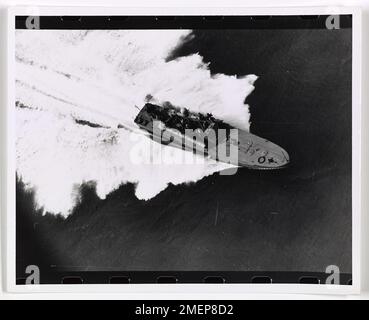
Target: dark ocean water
296, 219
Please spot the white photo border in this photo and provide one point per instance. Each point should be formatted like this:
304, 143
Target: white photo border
8, 226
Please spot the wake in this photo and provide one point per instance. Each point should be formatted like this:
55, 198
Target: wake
81, 90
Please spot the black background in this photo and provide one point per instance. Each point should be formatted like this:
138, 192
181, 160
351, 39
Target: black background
296, 219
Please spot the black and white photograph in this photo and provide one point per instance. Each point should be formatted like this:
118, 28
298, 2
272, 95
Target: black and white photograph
184, 149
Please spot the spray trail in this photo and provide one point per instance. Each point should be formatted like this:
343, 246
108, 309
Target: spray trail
78, 93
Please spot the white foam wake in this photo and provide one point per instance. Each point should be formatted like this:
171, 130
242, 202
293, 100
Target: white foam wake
99, 77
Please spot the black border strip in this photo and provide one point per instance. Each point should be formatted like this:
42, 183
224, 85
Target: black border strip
182, 22
103, 277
